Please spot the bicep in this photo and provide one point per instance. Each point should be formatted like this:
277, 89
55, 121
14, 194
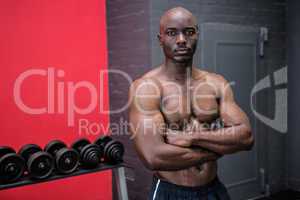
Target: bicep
145, 118
146, 130
231, 113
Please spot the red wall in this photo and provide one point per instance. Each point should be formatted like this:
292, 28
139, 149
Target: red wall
68, 38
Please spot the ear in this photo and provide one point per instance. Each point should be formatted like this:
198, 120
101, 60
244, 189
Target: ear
198, 31
159, 39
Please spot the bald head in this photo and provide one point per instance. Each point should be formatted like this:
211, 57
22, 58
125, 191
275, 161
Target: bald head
176, 14
178, 35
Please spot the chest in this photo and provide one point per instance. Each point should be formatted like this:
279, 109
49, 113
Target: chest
180, 102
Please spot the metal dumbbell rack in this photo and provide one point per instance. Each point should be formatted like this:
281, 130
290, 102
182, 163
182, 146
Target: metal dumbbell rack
118, 169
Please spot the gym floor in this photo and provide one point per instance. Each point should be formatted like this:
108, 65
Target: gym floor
284, 195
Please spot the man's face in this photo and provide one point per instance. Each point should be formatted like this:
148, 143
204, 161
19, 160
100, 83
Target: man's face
178, 37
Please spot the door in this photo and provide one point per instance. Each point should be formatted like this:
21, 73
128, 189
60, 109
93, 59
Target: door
231, 50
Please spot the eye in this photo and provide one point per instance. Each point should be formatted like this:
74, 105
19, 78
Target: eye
171, 33
190, 32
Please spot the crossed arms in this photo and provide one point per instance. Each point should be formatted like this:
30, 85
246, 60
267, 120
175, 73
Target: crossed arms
164, 149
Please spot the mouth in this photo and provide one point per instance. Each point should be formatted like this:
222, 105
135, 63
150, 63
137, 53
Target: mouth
182, 51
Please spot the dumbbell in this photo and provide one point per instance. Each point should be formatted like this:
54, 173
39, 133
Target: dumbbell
90, 154
113, 150
66, 160
39, 163
12, 165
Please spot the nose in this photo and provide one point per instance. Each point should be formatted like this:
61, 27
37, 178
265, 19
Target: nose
180, 40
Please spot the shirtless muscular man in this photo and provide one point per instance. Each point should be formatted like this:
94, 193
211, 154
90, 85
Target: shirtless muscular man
172, 108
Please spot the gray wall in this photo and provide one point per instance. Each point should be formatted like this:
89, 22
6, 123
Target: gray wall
133, 48
293, 144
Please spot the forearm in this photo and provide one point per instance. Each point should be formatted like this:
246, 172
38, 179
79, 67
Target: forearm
167, 157
218, 148
238, 135
223, 141
231, 135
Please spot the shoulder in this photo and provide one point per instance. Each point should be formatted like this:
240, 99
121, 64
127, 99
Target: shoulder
148, 83
207, 76
215, 80
223, 86
145, 86
145, 95
154, 72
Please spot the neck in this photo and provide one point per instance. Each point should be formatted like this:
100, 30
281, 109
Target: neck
178, 71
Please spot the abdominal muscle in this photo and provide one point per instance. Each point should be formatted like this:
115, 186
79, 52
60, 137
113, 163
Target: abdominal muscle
192, 176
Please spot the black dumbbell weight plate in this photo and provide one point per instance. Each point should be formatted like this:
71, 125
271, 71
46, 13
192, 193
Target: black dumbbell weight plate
80, 143
54, 146
40, 165
103, 140
114, 151
27, 150
11, 165
117, 155
5, 150
66, 160
91, 155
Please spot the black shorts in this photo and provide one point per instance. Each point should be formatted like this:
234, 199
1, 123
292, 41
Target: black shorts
163, 190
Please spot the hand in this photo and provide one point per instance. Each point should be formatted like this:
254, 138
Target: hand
178, 138
209, 155
184, 138
195, 125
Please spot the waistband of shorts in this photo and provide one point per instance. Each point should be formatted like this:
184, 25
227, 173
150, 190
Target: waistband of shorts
203, 188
